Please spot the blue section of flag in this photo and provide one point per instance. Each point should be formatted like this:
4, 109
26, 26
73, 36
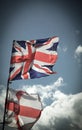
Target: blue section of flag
54, 47
41, 40
22, 44
35, 74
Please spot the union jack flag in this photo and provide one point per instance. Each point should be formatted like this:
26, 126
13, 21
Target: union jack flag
33, 59
23, 109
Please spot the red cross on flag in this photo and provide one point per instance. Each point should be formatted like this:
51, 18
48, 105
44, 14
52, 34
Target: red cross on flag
23, 109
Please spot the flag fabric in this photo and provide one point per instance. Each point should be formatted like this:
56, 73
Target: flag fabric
33, 59
23, 109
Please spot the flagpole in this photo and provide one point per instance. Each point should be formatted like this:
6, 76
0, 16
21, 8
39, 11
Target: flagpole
3, 126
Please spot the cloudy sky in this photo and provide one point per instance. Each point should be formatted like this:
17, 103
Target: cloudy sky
61, 94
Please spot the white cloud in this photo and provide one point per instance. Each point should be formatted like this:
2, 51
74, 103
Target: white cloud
78, 51
66, 109
59, 82
78, 54
46, 92
61, 111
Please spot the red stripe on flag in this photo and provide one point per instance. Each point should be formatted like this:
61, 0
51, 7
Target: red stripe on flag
29, 112
18, 59
48, 71
25, 76
49, 58
28, 61
24, 110
15, 73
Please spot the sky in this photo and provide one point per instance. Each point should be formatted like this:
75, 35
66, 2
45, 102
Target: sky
61, 94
